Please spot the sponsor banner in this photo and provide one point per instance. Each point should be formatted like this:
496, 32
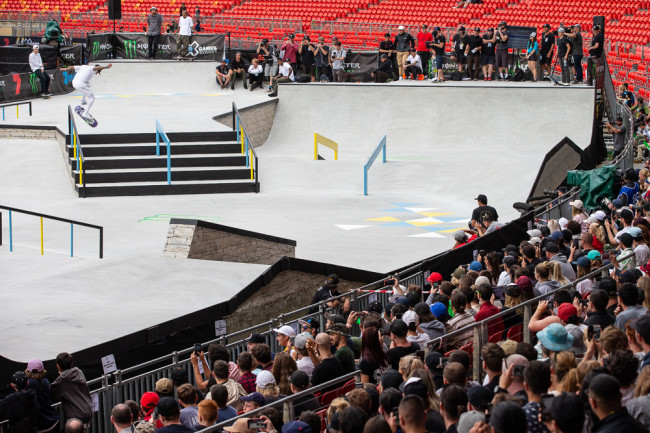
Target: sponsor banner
16, 87
136, 46
20, 54
359, 65
73, 54
14, 68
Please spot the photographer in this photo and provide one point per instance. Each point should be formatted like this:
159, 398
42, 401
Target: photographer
460, 48
576, 51
338, 62
546, 53
438, 45
270, 58
306, 52
487, 54
619, 136
290, 48
595, 52
322, 60
502, 35
403, 44
563, 51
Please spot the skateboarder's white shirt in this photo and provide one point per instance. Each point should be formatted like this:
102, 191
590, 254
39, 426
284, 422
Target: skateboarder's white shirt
185, 25
81, 82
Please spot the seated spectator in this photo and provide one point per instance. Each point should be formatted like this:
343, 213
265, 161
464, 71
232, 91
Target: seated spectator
247, 378
415, 334
285, 75
495, 327
628, 296
428, 322
400, 346
20, 406
164, 387
208, 414
268, 387
121, 418
512, 377
135, 410
453, 402
148, 403
554, 338
72, 390
583, 265
300, 382
187, 398
641, 327
413, 65
253, 401
537, 381
605, 401
224, 74
374, 361
238, 70
240, 426
48, 418
512, 299
553, 255
567, 414
312, 419
235, 390
412, 417
217, 352
283, 367
408, 364
623, 366
262, 356
360, 398
639, 406
284, 334
508, 417
169, 414
326, 366
492, 356
338, 336
461, 320
376, 424
219, 394
301, 355
454, 373
255, 75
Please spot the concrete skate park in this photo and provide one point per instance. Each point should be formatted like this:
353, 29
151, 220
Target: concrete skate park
445, 144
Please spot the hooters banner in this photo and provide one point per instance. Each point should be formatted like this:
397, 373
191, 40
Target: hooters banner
16, 87
136, 46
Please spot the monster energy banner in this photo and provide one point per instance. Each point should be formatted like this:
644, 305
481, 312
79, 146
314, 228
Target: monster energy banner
73, 54
16, 87
136, 46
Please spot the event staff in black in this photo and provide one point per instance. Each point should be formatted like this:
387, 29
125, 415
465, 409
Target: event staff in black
384, 71
563, 51
595, 52
488, 54
474, 55
439, 41
546, 52
387, 47
460, 47
576, 52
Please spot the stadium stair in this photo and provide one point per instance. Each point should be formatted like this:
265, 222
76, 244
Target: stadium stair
200, 165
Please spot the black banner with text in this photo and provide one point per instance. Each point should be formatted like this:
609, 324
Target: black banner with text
16, 87
136, 46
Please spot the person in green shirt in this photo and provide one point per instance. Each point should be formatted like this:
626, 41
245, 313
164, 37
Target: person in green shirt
339, 334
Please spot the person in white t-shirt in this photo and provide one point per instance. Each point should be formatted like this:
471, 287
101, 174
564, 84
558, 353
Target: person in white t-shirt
255, 74
36, 64
185, 25
285, 75
81, 82
413, 65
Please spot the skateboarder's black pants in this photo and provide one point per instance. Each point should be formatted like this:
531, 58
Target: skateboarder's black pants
153, 41
45, 80
256, 79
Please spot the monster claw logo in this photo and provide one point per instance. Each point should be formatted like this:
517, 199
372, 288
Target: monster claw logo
35, 83
95, 48
130, 49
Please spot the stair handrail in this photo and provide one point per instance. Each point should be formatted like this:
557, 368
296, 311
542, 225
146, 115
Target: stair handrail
246, 147
17, 104
160, 132
78, 153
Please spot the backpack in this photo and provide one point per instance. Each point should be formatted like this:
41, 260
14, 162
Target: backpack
519, 75
302, 78
455, 76
528, 75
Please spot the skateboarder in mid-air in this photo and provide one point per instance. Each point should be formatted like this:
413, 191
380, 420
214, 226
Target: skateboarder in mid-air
81, 82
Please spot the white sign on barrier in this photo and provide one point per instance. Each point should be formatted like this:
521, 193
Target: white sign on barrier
95, 402
108, 364
219, 327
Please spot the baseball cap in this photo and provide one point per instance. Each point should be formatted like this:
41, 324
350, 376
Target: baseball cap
480, 397
635, 232
299, 379
577, 204
593, 255
400, 28
391, 379
19, 379
178, 375
332, 280
552, 247
168, 407
509, 261
508, 346
264, 378
414, 386
335, 318
535, 240
435, 277
438, 309
477, 29
468, 419
35, 46
398, 327
502, 23
557, 235
565, 311
482, 197
387, 35
533, 35
296, 427
240, 426
597, 27
547, 26
491, 29
338, 328
600, 215
583, 262
513, 290
310, 323
459, 235
524, 282
410, 317
285, 330
403, 300
475, 266
534, 232
153, 8
435, 362
255, 397
421, 308
35, 366
375, 307
256, 338
148, 402
164, 386
560, 30
301, 340
461, 28
625, 239
458, 273
383, 56
642, 326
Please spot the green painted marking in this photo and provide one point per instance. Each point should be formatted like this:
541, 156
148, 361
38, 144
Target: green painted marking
163, 217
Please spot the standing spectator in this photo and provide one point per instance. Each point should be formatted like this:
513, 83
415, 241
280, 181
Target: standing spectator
619, 132
546, 53
285, 75
154, 27
185, 26
300, 382
247, 378
403, 44
563, 52
224, 74
283, 367
74, 425
531, 54
262, 355
48, 417
322, 65
122, 418
628, 300
36, 64
428, 322
597, 310
373, 362
605, 400
219, 394
483, 209
338, 62
338, 333
255, 75
327, 367
423, 38
234, 388
495, 327
400, 346
553, 255
412, 416
148, 403
453, 403
567, 413
460, 48
188, 398
492, 356
537, 381
72, 390
415, 334
182, 8
413, 65
576, 52
438, 45
384, 71
474, 55
306, 52
327, 291
488, 52
387, 47
461, 320
595, 52
301, 356
238, 70
197, 19
269, 54
290, 48
502, 35
20, 407
642, 328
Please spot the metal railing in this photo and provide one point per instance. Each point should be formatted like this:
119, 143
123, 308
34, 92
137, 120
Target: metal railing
327, 143
78, 154
54, 218
160, 132
381, 147
246, 147
17, 104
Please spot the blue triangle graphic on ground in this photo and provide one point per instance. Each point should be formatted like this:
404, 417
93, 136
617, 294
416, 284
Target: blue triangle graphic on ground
395, 209
449, 218
436, 228
398, 224
408, 204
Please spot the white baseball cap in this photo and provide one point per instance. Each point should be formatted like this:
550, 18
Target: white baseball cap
286, 330
563, 222
400, 28
410, 317
577, 204
265, 378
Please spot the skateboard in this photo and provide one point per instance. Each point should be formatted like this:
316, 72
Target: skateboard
90, 120
555, 82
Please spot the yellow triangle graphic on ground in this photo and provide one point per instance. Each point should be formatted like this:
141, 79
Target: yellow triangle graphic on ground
448, 231
419, 224
434, 214
386, 219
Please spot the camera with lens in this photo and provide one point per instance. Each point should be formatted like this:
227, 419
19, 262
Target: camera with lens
430, 44
550, 193
265, 42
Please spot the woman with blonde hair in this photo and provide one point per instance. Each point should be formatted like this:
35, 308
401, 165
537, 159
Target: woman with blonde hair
408, 364
283, 366
600, 236
337, 405
578, 214
556, 274
639, 406
427, 379
575, 376
561, 365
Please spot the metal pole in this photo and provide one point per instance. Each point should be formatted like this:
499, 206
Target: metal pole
71, 240
41, 235
11, 237
169, 163
101, 242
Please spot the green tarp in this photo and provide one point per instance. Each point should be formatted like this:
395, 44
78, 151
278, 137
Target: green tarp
594, 184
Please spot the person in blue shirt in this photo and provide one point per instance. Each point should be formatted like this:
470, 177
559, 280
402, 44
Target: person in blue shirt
629, 193
531, 54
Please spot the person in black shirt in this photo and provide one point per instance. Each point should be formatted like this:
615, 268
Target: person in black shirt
400, 345
546, 52
460, 47
576, 52
20, 407
595, 52
325, 292
502, 35
306, 52
387, 47
563, 51
487, 54
169, 414
439, 48
597, 310
238, 70
300, 382
224, 74
474, 54
483, 209
327, 367
384, 72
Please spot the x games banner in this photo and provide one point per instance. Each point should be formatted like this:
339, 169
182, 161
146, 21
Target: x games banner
16, 87
136, 46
